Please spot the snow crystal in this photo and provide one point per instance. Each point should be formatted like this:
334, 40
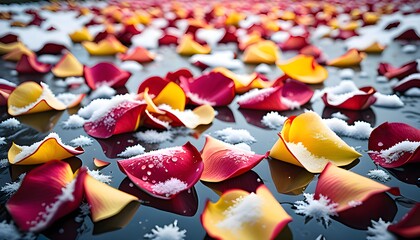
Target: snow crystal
28, 150
344, 87
48, 58
67, 98
381, 79
387, 100
244, 210
280, 36
409, 48
354, 203
131, 66
10, 188
10, 123
360, 130
45, 217
339, 115
243, 146
82, 141
346, 73
234, 136
169, 187
100, 107
167, 232
218, 59
132, 151
100, 176
379, 231
4, 163
273, 120
255, 94
321, 209
379, 175
395, 152
74, 121
153, 136
8, 231
103, 91
198, 100
75, 80
263, 68
210, 35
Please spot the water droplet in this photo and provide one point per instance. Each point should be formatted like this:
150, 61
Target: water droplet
144, 178
131, 184
151, 165
258, 180
143, 167
174, 159
166, 170
380, 144
149, 173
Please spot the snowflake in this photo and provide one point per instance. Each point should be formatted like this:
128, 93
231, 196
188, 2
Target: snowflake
379, 231
321, 209
167, 232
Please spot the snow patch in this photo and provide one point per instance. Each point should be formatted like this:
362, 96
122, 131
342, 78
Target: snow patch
255, 94
103, 91
321, 209
82, 141
393, 153
360, 130
339, 115
8, 231
409, 48
132, 151
131, 66
263, 68
378, 174
234, 136
167, 232
273, 120
346, 73
218, 59
391, 101
74, 121
153, 136
10, 123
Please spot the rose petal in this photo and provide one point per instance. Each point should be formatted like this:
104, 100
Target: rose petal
51, 48
410, 82
304, 69
28, 64
248, 181
168, 39
8, 38
408, 35
409, 225
48, 149
138, 54
81, 35
351, 116
244, 83
68, 66
122, 118
105, 73
261, 52
187, 46
108, 46
223, 161
303, 144
201, 115
294, 43
31, 97
351, 58
390, 71
16, 54
47, 193
185, 203
176, 75
6, 88
241, 215
100, 163
213, 88
8, 47
104, 200
359, 100
165, 172
388, 136
291, 95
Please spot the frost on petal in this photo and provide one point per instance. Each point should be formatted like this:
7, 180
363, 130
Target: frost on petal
378, 231
50, 148
234, 136
166, 172
169, 232
409, 225
100, 176
321, 209
242, 215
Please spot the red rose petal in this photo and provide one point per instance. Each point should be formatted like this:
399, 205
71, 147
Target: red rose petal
105, 73
28, 64
165, 172
9, 38
138, 54
223, 161
125, 117
409, 226
213, 88
390, 71
412, 81
387, 135
294, 43
358, 101
51, 48
47, 193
